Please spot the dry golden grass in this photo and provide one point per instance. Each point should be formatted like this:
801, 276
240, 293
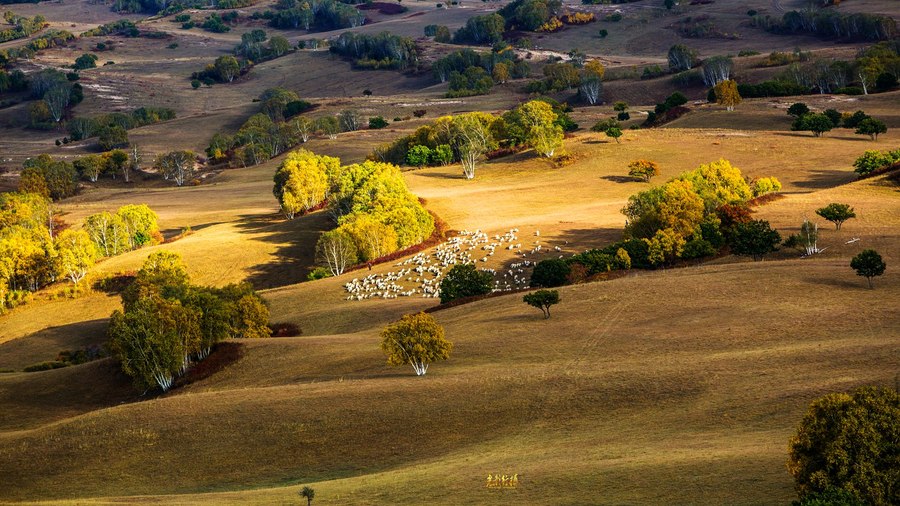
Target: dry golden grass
667, 387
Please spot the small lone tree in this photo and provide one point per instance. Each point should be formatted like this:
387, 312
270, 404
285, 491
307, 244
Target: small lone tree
755, 239
464, 280
307, 493
643, 169
869, 264
417, 340
836, 213
542, 299
614, 132
812, 122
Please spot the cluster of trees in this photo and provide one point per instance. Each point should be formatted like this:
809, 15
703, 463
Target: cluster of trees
28, 254
587, 77
271, 132
50, 39
530, 15
131, 227
467, 138
49, 178
845, 449
21, 26
167, 323
819, 123
319, 15
254, 47
486, 29
224, 70
873, 160
440, 33
13, 81
81, 128
694, 214
54, 94
375, 212
381, 51
831, 23
304, 181
839, 76
668, 109
474, 73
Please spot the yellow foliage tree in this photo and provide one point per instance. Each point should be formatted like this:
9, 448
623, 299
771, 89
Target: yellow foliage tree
417, 340
303, 181
727, 94
500, 73
77, 253
541, 133
665, 246
373, 239
681, 209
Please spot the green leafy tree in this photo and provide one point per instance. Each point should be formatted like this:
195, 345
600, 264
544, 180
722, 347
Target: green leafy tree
309, 494
871, 127
303, 181
755, 239
798, 109
848, 445
542, 299
868, 264
85, 61
472, 138
140, 224
418, 155
417, 340
112, 137
818, 124
766, 185
550, 273
836, 213
465, 280
614, 132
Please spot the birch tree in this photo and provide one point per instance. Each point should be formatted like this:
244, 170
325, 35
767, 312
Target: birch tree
417, 340
472, 139
336, 250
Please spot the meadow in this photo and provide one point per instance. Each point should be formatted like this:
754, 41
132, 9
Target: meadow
671, 386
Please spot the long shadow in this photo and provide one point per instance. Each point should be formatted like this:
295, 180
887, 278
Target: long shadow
296, 240
169, 233
839, 283
623, 179
44, 345
440, 175
822, 178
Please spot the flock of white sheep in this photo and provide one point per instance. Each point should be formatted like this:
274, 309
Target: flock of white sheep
421, 274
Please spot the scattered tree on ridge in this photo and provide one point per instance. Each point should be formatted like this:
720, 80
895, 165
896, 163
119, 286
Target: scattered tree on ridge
542, 299
643, 169
871, 127
836, 213
868, 264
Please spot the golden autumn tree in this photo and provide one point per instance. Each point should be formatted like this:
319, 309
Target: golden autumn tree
417, 340
643, 169
727, 94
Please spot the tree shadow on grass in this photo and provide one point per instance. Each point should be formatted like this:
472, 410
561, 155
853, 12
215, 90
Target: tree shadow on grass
824, 178
44, 345
296, 240
845, 284
623, 179
441, 175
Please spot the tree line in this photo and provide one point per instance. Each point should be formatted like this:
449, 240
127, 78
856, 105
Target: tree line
381, 51
468, 138
21, 26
